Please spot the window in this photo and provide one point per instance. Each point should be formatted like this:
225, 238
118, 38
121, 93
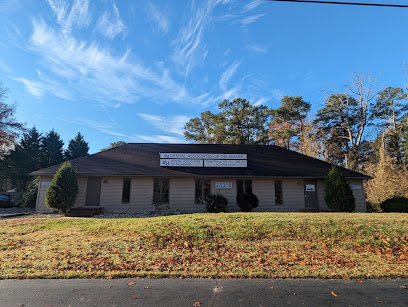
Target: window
161, 191
202, 190
126, 190
244, 187
278, 192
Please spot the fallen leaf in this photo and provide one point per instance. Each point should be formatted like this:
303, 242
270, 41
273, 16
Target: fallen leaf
133, 297
109, 277
403, 287
196, 304
131, 283
360, 281
334, 294
272, 287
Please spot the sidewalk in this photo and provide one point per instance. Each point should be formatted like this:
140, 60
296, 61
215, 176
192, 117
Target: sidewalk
14, 211
202, 292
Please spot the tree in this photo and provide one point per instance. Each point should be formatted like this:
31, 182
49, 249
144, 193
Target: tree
77, 148
52, 152
345, 116
238, 122
63, 190
338, 194
113, 145
29, 198
288, 122
9, 127
25, 158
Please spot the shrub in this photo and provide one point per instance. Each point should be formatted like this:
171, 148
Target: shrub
395, 204
63, 190
247, 202
373, 207
216, 203
29, 198
338, 194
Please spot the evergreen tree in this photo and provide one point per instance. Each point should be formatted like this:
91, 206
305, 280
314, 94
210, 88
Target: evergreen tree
77, 148
113, 145
25, 158
52, 152
63, 190
338, 194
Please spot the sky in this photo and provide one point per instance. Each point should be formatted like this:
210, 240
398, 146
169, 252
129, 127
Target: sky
137, 71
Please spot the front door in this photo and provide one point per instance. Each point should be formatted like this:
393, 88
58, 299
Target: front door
311, 194
93, 192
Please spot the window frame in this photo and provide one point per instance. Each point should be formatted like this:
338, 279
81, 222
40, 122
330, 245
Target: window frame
126, 189
163, 185
203, 191
278, 192
245, 185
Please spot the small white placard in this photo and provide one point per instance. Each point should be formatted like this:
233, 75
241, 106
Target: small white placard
223, 185
355, 187
175, 155
310, 188
181, 163
45, 183
225, 163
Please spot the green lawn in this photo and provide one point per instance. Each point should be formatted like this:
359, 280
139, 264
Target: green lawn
243, 245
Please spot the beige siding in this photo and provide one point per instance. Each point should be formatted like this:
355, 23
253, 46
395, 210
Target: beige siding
264, 189
359, 195
82, 184
293, 195
141, 194
42, 189
182, 191
229, 194
321, 185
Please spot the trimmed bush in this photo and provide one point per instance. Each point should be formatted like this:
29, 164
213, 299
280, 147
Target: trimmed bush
395, 204
373, 207
338, 194
29, 198
247, 202
63, 190
216, 203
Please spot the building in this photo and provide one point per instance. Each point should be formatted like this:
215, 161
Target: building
128, 177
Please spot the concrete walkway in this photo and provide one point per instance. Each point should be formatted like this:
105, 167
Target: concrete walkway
202, 292
14, 212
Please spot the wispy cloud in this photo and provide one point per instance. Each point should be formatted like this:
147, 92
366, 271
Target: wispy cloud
45, 86
110, 24
250, 19
173, 124
157, 18
252, 5
158, 138
277, 94
261, 101
256, 48
227, 75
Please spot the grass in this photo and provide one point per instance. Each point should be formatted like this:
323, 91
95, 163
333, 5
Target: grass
241, 245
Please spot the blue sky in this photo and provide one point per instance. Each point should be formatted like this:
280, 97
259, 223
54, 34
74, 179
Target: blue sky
138, 70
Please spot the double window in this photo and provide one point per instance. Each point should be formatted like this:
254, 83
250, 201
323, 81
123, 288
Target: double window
244, 187
202, 190
278, 192
161, 191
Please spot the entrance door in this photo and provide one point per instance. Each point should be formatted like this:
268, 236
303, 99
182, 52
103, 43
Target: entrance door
311, 194
93, 192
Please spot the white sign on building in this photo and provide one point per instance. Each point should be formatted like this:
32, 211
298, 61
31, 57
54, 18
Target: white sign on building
225, 163
181, 163
172, 155
223, 185
310, 188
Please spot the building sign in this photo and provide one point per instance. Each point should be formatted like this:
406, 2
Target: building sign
355, 187
45, 183
223, 185
181, 163
171, 155
225, 163
310, 188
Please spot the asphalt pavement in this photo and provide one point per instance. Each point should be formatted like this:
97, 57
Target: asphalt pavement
202, 292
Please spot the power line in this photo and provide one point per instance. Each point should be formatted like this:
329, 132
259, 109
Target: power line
343, 3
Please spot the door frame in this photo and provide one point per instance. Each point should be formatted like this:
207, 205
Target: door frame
315, 203
97, 190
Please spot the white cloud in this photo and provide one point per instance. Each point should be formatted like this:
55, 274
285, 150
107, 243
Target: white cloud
157, 18
251, 5
256, 48
158, 138
260, 101
251, 19
173, 124
277, 94
110, 24
227, 75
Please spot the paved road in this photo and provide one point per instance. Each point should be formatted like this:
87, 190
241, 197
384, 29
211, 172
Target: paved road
186, 292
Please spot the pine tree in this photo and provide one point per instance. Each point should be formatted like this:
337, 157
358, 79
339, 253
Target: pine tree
338, 194
63, 190
52, 152
77, 148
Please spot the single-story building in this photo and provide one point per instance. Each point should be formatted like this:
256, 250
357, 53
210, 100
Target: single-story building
127, 178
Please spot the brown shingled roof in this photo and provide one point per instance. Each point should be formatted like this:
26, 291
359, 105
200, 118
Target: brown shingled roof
144, 160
